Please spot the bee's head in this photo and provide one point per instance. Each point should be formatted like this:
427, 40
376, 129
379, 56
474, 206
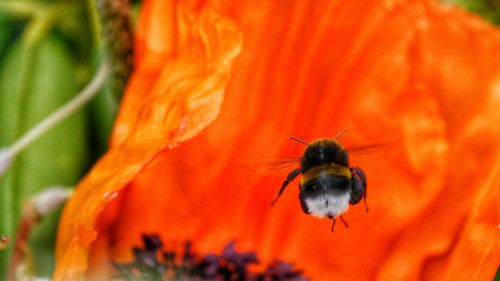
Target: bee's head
324, 151
325, 197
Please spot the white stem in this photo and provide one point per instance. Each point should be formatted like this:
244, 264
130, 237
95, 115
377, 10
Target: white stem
5, 159
49, 199
86, 95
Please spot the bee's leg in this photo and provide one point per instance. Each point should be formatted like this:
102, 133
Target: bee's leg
344, 222
333, 224
364, 200
358, 187
289, 178
362, 177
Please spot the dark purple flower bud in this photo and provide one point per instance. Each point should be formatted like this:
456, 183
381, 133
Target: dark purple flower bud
152, 242
210, 266
229, 266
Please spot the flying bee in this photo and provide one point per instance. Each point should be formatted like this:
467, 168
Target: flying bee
328, 184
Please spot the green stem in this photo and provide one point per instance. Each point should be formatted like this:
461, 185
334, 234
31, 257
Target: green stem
94, 21
22, 8
37, 28
35, 8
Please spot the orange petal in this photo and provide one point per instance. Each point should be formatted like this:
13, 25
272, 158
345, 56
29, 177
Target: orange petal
384, 71
167, 101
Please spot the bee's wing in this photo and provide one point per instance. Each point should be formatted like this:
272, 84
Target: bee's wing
368, 148
283, 163
271, 164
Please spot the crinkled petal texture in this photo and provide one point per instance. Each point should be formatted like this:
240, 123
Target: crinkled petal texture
422, 77
176, 90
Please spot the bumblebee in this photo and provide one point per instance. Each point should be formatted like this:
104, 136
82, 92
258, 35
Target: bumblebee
328, 184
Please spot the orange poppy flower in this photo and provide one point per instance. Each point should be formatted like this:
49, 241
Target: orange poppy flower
423, 75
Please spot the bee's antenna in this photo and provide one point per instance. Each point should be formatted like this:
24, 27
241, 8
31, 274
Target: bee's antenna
340, 134
299, 140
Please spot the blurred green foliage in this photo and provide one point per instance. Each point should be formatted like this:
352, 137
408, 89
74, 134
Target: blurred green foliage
34, 81
60, 156
488, 9
48, 53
